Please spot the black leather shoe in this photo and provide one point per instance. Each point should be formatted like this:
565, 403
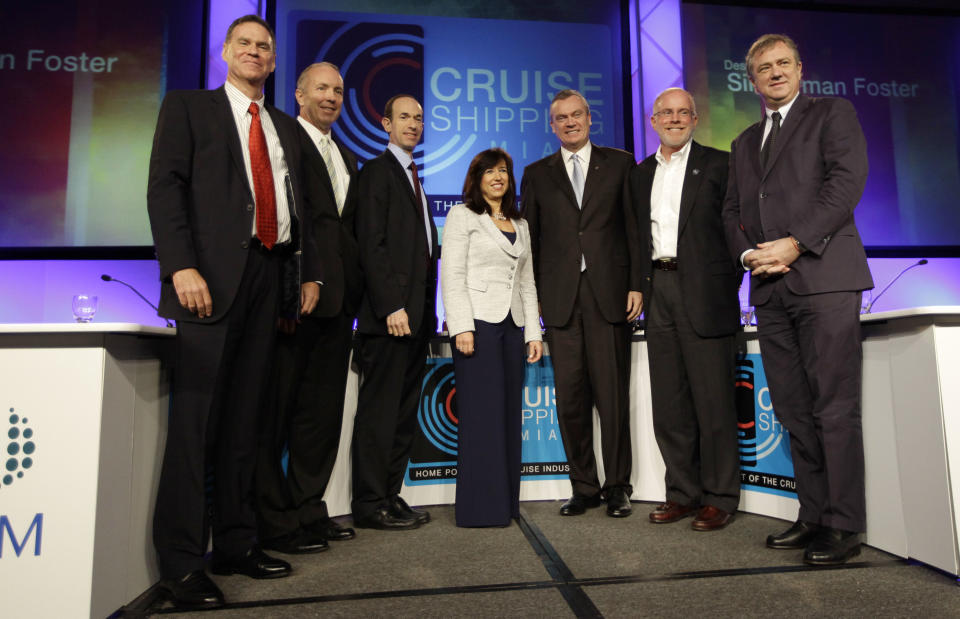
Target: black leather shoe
193, 591
796, 537
300, 542
618, 503
579, 504
254, 563
399, 508
385, 520
331, 531
832, 547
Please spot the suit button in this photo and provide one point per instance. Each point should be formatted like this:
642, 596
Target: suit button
579, 233
763, 194
510, 276
249, 207
245, 244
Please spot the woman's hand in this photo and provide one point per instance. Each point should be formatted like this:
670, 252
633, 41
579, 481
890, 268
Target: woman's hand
464, 343
534, 351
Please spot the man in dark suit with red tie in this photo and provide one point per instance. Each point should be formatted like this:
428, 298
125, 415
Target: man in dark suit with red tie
692, 315
312, 357
223, 200
586, 261
795, 178
398, 249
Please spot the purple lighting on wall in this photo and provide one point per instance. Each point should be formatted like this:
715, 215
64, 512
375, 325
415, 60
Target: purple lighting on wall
656, 36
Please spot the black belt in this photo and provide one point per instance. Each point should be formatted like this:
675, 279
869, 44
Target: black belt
278, 248
665, 264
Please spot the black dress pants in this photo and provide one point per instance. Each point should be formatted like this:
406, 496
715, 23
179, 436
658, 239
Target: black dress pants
219, 382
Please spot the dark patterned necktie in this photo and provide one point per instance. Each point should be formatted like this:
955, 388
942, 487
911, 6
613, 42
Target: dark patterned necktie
771, 138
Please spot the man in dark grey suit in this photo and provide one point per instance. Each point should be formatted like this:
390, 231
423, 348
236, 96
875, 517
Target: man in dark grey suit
586, 260
398, 250
223, 198
795, 178
312, 355
692, 314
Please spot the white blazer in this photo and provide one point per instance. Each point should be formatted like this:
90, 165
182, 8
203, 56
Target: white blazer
483, 276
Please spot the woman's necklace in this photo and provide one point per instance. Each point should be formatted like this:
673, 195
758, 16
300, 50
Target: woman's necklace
498, 216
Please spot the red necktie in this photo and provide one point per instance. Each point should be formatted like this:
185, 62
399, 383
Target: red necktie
262, 181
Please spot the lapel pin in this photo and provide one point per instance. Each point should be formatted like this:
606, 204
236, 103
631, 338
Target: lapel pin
695, 171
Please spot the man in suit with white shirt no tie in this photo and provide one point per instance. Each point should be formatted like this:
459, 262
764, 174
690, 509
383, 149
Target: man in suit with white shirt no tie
398, 249
795, 178
692, 314
312, 355
585, 250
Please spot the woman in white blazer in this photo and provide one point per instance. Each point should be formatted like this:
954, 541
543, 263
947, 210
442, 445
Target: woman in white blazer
490, 298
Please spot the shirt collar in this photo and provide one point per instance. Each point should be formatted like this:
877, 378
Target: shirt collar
583, 153
682, 154
240, 100
402, 156
783, 109
315, 134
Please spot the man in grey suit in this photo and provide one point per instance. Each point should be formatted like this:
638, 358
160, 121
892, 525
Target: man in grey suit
585, 252
312, 355
795, 178
692, 314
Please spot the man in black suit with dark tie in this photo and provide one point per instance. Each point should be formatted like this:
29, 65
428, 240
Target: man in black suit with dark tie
586, 261
312, 356
795, 178
692, 314
398, 248
222, 198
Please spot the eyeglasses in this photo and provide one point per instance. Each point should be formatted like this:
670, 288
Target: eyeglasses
682, 113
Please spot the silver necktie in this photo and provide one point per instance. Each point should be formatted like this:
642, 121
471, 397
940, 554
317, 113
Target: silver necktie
577, 179
335, 180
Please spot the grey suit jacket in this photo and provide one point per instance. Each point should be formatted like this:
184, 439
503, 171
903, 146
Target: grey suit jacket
813, 180
484, 277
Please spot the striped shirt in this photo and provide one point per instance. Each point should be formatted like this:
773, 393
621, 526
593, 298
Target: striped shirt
240, 104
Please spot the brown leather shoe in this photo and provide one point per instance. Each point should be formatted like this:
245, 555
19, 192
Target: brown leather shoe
711, 518
671, 511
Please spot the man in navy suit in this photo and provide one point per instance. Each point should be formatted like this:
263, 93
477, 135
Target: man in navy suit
398, 253
585, 251
795, 178
223, 200
312, 356
692, 315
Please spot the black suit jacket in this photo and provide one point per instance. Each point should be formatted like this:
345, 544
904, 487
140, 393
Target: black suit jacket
393, 249
707, 278
333, 232
604, 231
200, 202
813, 180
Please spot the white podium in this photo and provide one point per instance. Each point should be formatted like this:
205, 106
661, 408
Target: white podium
84, 413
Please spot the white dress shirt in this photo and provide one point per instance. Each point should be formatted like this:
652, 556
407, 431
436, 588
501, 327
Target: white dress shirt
584, 155
405, 160
240, 105
340, 167
665, 201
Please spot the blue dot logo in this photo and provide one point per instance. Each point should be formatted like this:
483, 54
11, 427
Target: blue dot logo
18, 454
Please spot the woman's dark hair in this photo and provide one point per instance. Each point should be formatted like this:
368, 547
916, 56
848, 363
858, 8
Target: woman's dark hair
472, 194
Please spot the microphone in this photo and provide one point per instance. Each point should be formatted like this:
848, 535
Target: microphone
108, 278
918, 263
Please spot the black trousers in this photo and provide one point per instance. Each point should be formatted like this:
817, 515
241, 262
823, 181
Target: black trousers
591, 361
489, 387
392, 370
694, 410
219, 382
812, 356
304, 415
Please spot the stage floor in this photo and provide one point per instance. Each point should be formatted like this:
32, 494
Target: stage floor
587, 566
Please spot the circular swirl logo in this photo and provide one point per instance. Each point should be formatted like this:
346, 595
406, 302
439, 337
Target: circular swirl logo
18, 455
438, 409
